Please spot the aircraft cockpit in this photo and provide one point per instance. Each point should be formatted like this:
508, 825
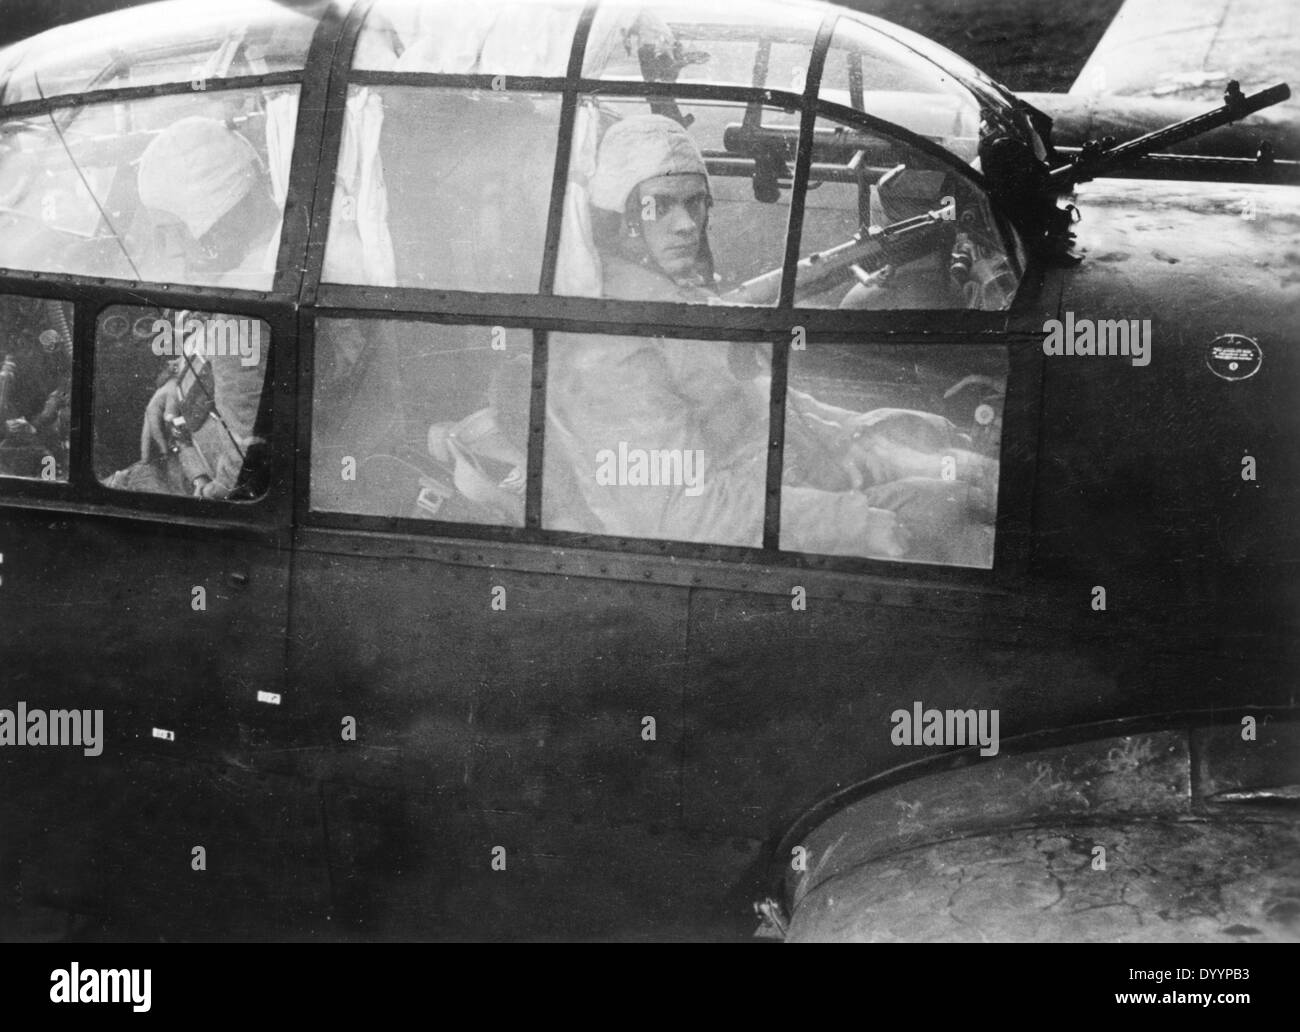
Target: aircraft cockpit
532, 244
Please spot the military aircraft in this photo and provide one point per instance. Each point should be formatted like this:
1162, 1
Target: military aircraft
643, 470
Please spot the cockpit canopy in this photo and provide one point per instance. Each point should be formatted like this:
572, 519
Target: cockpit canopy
765, 44
871, 65
441, 186
901, 131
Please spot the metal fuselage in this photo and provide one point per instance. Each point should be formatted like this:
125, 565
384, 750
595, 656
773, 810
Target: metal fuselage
522, 727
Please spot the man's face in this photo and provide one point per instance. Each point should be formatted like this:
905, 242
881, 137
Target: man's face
674, 210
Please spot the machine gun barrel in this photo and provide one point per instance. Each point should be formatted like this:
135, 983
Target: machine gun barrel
1095, 160
869, 251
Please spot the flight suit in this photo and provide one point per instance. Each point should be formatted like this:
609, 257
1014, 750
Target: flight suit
860, 484
679, 395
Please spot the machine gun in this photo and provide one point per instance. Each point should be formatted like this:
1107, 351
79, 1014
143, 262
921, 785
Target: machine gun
864, 258
1096, 158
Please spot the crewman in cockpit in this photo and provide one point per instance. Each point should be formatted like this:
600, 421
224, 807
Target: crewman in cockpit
213, 220
846, 474
210, 215
650, 199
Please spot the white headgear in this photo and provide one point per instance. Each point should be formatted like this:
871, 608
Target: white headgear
639, 148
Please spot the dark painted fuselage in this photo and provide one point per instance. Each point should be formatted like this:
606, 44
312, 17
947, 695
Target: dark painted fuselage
523, 728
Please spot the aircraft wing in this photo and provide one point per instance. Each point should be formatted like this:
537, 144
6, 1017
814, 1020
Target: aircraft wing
1189, 49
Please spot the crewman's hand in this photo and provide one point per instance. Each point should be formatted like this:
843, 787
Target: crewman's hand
206, 487
885, 445
164, 404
